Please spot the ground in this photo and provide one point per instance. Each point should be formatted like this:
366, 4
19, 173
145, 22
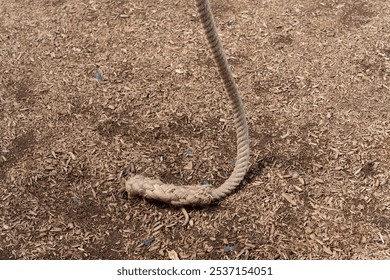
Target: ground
88, 88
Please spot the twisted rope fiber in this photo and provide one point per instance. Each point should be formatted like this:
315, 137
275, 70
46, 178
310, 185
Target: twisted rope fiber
204, 194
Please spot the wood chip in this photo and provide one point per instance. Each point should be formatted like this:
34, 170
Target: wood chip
172, 255
289, 199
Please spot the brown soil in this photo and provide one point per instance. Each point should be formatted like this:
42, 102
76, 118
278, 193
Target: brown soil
88, 87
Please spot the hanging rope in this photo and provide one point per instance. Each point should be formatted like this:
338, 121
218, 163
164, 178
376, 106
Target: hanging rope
203, 194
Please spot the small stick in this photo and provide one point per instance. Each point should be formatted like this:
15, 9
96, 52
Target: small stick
186, 216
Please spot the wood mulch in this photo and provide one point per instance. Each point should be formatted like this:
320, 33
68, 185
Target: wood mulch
88, 88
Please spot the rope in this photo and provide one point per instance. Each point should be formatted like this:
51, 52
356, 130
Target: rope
203, 194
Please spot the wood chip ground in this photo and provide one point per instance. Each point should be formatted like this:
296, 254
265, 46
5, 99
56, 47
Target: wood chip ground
89, 87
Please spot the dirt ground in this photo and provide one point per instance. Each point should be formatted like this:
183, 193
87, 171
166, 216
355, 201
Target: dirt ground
89, 87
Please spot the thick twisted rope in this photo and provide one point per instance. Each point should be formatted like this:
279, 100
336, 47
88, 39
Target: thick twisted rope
203, 194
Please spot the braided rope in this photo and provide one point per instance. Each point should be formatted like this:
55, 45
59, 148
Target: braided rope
204, 194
